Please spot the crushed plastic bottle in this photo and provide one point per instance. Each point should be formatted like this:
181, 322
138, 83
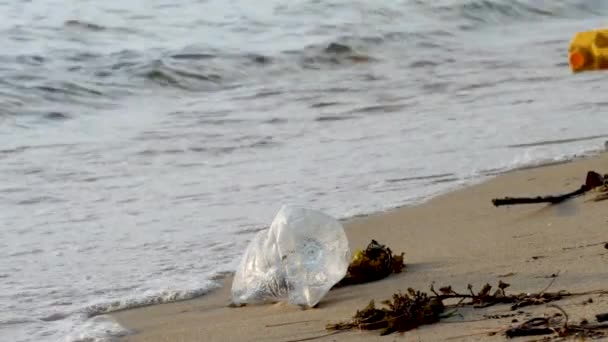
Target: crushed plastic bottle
299, 258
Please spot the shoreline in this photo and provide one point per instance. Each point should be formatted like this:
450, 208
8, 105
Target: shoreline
221, 277
359, 232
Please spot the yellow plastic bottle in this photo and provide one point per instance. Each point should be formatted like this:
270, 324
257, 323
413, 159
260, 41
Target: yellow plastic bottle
589, 51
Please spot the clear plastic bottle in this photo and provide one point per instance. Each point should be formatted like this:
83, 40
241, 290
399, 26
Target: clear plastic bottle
299, 258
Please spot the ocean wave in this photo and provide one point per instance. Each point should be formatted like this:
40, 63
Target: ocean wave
56, 316
147, 299
90, 77
82, 72
77, 73
96, 329
201, 70
501, 11
343, 51
16, 320
179, 75
91, 323
558, 141
355, 50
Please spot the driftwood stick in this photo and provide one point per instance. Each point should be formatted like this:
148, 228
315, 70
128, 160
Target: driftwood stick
592, 181
539, 199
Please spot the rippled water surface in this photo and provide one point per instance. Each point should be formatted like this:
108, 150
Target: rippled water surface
143, 143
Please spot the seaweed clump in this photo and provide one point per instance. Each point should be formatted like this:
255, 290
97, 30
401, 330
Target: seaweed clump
374, 263
403, 312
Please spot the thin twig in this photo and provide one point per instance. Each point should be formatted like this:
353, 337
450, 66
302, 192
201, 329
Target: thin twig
470, 287
548, 286
588, 245
460, 301
457, 295
390, 319
563, 312
467, 321
489, 331
600, 292
289, 323
317, 337
433, 289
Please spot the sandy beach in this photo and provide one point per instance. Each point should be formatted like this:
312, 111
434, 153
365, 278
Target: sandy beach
458, 238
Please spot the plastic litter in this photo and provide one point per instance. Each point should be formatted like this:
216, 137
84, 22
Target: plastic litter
589, 51
298, 259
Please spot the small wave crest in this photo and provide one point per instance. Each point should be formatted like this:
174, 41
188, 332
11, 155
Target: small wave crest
165, 74
338, 52
147, 299
83, 25
15, 320
97, 329
536, 158
201, 70
93, 324
502, 11
87, 26
351, 50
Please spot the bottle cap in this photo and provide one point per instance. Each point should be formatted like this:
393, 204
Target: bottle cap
577, 60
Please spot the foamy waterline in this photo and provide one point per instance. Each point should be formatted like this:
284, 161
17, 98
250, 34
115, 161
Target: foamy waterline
94, 322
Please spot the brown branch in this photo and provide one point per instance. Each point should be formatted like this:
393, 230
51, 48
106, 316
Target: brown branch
592, 181
539, 199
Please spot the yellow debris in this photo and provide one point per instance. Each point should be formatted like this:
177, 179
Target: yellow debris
589, 51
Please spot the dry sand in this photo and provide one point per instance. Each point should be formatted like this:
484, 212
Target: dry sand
457, 238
